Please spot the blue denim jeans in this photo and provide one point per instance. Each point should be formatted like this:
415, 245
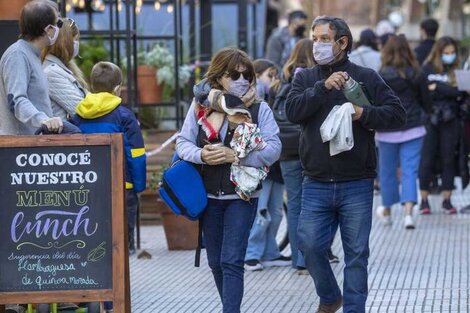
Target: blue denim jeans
292, 175
226, 227
406, 155
262, 243
325, 206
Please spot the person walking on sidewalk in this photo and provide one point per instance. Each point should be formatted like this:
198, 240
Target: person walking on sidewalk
338, 190
224, 100
402, 148
442, 138
262, 250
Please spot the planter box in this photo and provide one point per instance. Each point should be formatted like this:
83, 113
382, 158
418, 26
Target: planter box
180, 233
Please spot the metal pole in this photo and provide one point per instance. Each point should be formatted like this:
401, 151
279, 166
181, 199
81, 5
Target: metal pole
192, 28
242, 25
177, 60
206, 30
111, 31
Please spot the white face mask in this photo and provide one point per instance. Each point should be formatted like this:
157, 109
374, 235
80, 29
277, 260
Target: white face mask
238, 87
53, 39
76, 48
323, 52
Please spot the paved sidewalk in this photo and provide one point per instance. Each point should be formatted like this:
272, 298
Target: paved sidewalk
421, 270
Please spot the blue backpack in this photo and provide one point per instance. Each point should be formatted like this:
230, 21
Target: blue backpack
183, 190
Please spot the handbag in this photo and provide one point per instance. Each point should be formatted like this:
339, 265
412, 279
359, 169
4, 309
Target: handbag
183, 190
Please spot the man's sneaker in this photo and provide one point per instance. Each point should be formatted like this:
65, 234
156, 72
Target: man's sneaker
330, 308
448, 207
332, 258
280, 261
424, 208
385, 219
253, 265
301, 270
409, 223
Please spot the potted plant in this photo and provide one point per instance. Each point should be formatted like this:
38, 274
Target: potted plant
157, 69
180, 233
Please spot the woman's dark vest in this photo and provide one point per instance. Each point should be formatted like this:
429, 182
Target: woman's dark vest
217, 177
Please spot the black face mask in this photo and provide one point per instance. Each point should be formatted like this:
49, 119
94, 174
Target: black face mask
299, 31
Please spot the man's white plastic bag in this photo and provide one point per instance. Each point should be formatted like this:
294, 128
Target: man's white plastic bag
337, 128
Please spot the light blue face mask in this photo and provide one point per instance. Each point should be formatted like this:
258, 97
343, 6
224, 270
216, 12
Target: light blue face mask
238, 87
448, 58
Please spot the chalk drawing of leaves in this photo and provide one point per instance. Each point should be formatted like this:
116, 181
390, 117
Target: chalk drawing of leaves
98, 253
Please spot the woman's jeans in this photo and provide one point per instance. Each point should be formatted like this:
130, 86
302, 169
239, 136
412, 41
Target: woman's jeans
407, 156
262, 245
325, 206
226, 227
292, 175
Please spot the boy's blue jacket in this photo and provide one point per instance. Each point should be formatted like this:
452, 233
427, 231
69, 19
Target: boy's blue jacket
102, 113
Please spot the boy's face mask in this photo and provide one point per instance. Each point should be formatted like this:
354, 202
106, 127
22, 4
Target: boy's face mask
117, 91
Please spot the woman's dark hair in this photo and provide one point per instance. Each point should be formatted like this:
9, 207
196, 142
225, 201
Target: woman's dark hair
227, 60
261, 65
397, 54
368, 38
35, 17
435, 57
336, 24
298, 14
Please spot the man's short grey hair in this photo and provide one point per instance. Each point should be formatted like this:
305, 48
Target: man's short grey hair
338, 25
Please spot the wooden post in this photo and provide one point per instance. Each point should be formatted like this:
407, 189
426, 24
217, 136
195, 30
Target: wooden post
2, 308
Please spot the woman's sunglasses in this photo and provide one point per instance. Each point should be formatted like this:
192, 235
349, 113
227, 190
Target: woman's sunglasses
235, 75
71, 22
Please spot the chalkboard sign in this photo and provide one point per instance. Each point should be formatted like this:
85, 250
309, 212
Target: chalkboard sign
62, 219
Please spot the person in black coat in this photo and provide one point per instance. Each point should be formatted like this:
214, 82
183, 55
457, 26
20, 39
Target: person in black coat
427, 29
338, 190
443, 130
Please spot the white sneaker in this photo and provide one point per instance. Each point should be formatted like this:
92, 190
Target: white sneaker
409, 223
385, 219
253, 265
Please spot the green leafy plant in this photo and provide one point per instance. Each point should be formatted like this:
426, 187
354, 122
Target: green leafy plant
91, 52
163, 60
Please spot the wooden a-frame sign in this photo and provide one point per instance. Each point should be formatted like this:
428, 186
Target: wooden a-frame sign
62, 220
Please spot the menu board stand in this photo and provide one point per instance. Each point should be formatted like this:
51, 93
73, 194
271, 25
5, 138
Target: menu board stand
65, 238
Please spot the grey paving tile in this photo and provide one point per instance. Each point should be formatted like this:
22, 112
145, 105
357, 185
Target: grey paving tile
425, 270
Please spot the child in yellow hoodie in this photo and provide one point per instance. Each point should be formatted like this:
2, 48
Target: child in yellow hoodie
101, 112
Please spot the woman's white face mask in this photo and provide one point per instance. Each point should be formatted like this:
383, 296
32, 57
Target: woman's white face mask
76, 48
52, 39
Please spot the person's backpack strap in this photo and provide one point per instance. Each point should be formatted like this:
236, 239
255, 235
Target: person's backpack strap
254, 111
197, 256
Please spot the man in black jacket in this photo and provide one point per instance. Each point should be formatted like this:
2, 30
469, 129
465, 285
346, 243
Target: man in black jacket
427, 30
338, 190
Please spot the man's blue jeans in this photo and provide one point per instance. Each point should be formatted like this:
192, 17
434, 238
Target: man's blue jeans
325, 206
292, 175
226, 227
262, 245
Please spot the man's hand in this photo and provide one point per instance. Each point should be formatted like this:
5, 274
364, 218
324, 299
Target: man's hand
54, 124
358, 112
336, 80
432, 87
217, 155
